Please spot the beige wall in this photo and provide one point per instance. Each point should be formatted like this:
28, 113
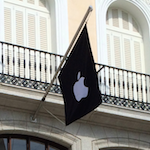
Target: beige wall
76, 11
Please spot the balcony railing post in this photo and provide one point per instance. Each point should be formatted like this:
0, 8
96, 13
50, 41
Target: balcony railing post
8, 58
119, 87
24, 62
109, 81
105, 79
45, 67
34, 63
128, 84
146, 89
141, 87
1, 58
50, 67
137, 88
114, 82
123, 83
29, 64
19, 61
13, 60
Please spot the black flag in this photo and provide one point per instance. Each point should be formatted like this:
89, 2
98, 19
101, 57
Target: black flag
79, 82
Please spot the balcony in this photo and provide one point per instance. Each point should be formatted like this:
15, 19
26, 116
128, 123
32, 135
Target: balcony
31, 68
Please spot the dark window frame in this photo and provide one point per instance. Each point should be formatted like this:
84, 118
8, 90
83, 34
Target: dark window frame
29, 138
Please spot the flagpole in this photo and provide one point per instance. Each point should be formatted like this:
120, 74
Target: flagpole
64, 58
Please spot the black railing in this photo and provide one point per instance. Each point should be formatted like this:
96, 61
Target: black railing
123, 87
32, 68
28, 67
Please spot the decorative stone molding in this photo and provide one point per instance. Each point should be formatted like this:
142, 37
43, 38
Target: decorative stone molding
120, 142
18, 122
40, 130
146, 1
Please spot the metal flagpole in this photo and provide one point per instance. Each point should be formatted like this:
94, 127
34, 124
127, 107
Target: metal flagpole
64, 58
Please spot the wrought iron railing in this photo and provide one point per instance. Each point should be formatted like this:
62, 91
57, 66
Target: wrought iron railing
26, 67
124, 88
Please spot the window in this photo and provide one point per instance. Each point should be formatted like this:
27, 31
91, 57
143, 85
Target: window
125, 50
124, 41
27, 23
22, 142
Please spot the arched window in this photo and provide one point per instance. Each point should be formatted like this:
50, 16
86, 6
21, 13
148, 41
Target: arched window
124, 40
22, 142
27, 23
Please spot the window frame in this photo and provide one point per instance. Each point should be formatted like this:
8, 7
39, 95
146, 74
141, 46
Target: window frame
29, 138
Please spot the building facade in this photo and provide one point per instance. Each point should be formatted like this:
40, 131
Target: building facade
34, 36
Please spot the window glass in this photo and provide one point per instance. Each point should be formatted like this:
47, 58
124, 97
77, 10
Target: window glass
3, 144
51, 148
18, 144
36, 146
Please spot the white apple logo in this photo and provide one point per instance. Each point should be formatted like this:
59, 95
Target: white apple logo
79, 89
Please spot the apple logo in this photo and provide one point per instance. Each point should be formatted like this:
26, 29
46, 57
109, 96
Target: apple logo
79, 89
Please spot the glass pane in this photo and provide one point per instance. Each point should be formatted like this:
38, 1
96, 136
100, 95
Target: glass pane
3, 144
51, 148
36, 146
18, 144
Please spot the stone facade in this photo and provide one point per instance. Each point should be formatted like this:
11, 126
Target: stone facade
107, 127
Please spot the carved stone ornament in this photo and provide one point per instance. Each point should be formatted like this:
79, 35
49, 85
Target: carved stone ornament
146, 1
